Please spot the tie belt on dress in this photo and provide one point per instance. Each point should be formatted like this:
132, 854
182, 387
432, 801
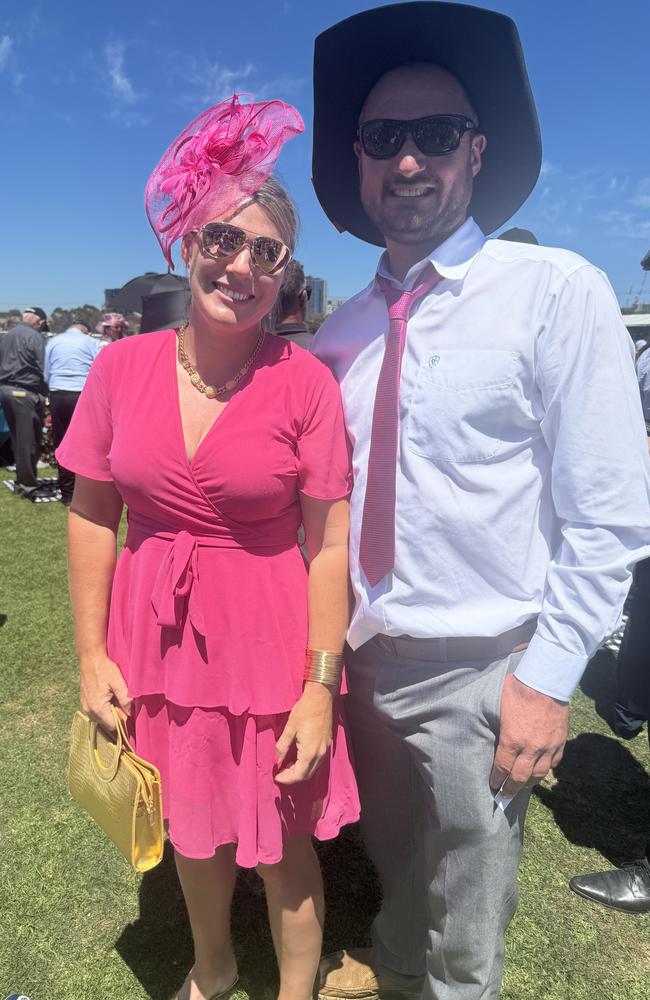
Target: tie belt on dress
455, 648
175, 595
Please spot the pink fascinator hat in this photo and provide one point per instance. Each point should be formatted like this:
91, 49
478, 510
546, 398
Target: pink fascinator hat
218, 161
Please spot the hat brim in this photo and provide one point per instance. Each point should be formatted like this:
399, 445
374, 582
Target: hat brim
479, 47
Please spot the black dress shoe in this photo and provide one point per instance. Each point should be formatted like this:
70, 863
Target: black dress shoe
626, 888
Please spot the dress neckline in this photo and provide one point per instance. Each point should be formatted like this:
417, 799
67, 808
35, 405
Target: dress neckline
234, 399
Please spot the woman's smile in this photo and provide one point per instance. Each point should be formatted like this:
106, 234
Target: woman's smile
231, 294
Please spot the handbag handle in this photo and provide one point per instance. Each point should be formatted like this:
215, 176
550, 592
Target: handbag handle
103, 772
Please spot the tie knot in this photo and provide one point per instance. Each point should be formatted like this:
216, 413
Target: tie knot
401, 302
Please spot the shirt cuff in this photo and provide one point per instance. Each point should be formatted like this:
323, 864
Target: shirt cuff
550, 669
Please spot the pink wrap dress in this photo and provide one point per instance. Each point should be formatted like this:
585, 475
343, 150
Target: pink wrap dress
208, 610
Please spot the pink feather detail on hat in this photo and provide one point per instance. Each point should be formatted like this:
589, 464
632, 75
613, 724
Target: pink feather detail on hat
218, 161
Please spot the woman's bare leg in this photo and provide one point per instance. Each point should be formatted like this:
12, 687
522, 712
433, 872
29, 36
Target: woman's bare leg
208, 886
294, 894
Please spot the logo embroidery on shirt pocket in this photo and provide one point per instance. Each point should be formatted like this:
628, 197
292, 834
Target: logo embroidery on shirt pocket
433, 360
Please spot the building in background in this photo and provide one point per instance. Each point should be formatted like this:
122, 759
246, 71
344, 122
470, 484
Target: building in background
638, 324
317, 304
333, 305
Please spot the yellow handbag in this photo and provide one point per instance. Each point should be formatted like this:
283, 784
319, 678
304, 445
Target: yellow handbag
120, 790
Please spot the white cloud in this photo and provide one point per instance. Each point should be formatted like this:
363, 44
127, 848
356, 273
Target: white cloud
34, 23
568, 200
213, 82
283, 88
626, 224
6, 47
128, 119
547, 169
210, 83
641, 196
121, 86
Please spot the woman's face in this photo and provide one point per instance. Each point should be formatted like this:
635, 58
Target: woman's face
232, 292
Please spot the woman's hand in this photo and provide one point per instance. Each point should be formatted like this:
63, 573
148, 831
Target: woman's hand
310, 726
102, 684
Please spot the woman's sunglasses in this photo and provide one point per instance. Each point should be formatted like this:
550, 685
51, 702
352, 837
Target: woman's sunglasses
435, 135
221, 240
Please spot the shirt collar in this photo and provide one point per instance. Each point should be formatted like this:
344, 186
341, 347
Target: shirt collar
452, 259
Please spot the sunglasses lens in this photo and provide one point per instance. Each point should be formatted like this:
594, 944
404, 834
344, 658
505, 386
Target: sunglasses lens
437, 136
381, 139
269, 254
222, 240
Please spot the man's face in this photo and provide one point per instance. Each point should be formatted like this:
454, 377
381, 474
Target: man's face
413, 198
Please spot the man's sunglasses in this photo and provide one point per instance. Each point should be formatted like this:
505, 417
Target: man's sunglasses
221, 240
435, 135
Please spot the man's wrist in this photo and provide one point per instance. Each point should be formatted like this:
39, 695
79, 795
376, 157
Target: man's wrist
550, 669
536, 691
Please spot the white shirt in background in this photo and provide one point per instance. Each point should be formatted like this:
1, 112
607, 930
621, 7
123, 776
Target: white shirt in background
523, 480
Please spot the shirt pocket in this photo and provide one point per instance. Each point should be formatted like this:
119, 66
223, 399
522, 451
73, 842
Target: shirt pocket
460, 405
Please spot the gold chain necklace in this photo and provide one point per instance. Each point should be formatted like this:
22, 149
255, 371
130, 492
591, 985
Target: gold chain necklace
212, 390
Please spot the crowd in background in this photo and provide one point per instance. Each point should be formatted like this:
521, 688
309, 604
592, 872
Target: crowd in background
42, 375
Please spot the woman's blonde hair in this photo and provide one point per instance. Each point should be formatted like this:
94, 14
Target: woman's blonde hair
280, 209
283, 214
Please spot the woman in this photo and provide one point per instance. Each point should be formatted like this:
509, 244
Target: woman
221, 439
113, 326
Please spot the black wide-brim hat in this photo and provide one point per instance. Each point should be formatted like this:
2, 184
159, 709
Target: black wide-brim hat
479, 47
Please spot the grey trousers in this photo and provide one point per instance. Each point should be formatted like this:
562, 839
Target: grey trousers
24, 413
424, 735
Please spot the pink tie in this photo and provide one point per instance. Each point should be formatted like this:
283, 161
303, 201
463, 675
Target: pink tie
377, 547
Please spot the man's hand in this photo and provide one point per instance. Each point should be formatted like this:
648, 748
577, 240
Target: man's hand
310, 726
534, 729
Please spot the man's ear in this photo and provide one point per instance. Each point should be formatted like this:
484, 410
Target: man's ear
357, 152
478, 146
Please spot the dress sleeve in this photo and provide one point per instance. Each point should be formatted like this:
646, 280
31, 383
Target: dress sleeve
323, 451
87, 443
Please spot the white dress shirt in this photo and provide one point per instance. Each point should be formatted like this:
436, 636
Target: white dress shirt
523, 480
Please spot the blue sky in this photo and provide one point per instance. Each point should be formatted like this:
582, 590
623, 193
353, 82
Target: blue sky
91, 95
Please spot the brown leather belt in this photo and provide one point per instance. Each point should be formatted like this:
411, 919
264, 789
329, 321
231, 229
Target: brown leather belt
467, 648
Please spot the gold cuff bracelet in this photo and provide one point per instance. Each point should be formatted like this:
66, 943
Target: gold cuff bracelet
323, 667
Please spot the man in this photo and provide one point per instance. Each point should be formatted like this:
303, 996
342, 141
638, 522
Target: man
643, 375
516, 235
292, 306
501, 481
68, 358
22, 392
628, 888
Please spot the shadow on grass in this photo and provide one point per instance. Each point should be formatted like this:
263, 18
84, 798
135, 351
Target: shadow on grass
601, 798
599, 683
157, 947
3, 619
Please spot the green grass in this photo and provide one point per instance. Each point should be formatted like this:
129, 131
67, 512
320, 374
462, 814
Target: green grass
76, 922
